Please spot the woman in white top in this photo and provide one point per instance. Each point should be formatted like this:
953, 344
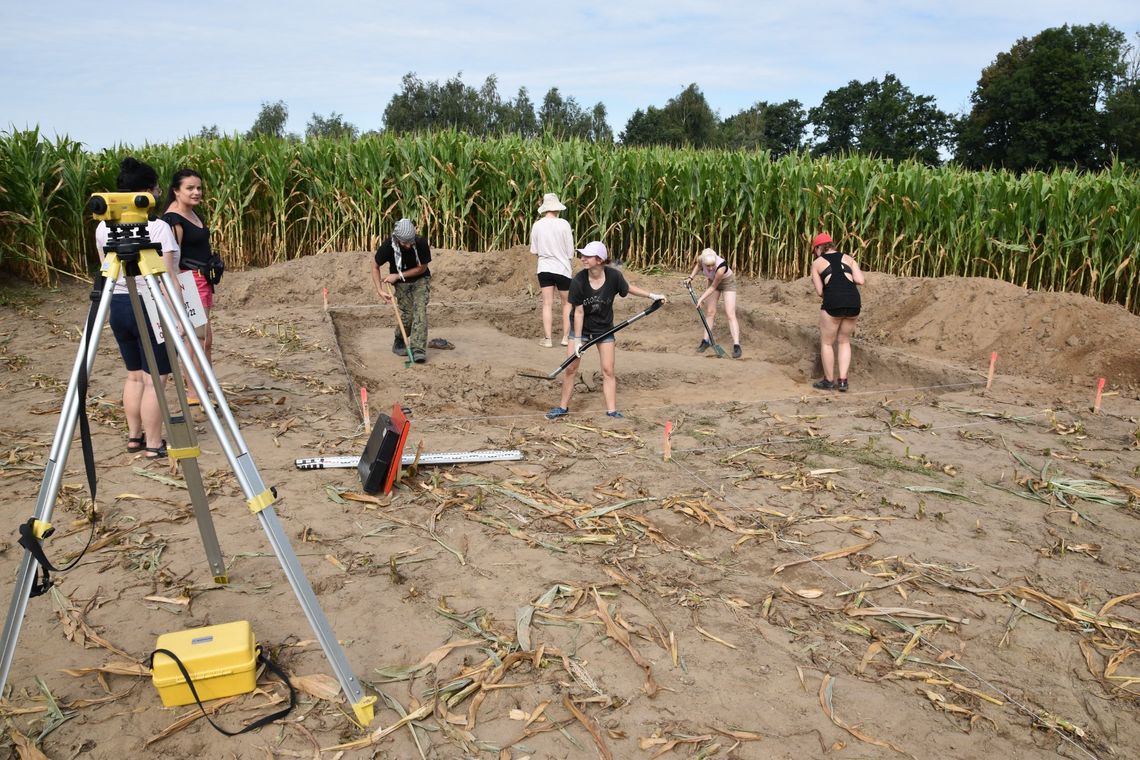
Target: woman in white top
552, 240
140, 399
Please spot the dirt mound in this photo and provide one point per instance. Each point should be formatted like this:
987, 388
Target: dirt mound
1060, 337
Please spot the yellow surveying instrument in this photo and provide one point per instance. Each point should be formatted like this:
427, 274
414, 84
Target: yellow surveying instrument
123, 208
130, 254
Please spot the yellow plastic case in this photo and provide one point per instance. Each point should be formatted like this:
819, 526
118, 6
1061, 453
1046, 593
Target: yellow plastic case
221, 659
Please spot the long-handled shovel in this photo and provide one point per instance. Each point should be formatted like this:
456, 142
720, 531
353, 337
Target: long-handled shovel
400, 322
708, 331
597, 339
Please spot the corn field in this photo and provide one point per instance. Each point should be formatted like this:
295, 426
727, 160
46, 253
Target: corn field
269, 200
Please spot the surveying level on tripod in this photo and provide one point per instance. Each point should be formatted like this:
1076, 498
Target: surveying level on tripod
126, 216
124, 208
132, 263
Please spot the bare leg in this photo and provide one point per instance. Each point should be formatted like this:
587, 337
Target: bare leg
710, 312
565, 296
133, 388
846, 330
828, 329
547, 304
208, 341
730, 313
568, 378
207, 348
609, 379
150, 412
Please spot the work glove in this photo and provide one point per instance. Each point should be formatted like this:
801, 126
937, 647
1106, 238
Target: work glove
658, 297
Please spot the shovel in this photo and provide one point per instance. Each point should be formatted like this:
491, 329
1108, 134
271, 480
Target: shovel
712, 341
597, 339
400, 322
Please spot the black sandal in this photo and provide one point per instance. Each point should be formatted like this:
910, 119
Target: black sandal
135, 445
156, 453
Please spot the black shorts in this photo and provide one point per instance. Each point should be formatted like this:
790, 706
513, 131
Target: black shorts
552, 280
127, 335
843, 312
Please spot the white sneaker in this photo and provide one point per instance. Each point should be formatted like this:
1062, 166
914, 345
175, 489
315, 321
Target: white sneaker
546, 343
565, 341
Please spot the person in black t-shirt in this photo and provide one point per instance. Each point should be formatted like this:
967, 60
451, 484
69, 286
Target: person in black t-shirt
407, 256
182, 202
592, 294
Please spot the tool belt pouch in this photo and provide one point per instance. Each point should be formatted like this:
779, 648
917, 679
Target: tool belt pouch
201, 664
214, 270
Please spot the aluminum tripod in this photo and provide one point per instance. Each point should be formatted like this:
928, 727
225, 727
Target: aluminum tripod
135, 256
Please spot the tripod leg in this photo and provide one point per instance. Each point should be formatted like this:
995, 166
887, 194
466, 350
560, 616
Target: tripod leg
53, 475
183, 444
260, 500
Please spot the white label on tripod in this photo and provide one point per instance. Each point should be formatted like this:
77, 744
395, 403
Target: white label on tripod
190, 297
151, 313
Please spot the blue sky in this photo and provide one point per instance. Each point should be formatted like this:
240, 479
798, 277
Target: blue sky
134, 72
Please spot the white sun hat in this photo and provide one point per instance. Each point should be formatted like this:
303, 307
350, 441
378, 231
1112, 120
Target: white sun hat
550, 202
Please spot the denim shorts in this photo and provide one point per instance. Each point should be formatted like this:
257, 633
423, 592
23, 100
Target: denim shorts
587, 337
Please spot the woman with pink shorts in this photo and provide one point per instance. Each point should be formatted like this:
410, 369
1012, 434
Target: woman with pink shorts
183, 200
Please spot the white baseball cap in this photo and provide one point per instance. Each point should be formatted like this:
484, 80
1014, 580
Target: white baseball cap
596, 249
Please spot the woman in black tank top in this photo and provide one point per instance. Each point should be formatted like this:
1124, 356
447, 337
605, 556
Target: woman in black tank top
835, 276
183, 200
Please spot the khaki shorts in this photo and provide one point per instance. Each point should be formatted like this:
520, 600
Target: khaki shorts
727, 284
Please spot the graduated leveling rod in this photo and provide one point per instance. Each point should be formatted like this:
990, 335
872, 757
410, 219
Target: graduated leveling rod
446, 457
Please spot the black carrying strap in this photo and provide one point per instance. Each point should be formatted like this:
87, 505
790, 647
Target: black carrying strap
261, 657
28, 538
84, 423
30, 541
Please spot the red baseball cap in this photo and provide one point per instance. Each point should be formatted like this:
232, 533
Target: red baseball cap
820, 239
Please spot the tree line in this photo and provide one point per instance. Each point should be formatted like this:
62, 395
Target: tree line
1067, 97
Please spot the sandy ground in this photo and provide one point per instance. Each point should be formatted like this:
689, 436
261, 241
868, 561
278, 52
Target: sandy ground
917, 568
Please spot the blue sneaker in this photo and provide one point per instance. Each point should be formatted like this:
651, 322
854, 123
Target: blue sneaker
556, 412
615, 414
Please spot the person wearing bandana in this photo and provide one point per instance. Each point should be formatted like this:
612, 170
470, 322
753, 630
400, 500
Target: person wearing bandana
407, 256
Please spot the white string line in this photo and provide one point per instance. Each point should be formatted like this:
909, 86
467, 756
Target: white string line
643, 409
350, 386
922, 639
853, 435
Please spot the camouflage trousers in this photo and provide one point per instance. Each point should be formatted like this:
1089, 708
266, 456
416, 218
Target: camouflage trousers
412, 299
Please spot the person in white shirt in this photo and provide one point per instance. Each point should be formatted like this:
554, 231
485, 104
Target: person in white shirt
552, 240
140, 399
